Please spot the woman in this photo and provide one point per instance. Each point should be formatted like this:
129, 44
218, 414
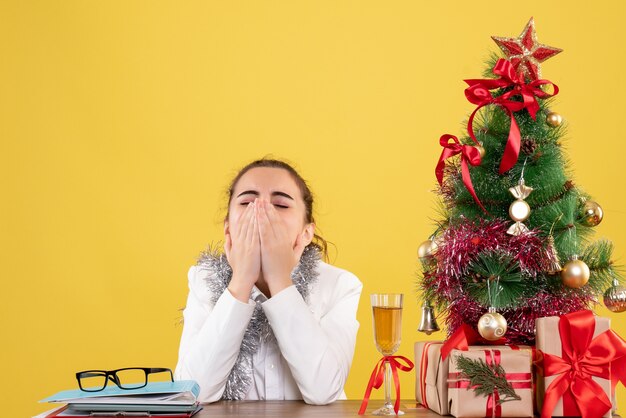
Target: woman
268, 319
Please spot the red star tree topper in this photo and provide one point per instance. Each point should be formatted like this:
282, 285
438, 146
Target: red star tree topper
525, 52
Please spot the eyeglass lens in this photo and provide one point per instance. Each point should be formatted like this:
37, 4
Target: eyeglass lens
92, 381
131, 378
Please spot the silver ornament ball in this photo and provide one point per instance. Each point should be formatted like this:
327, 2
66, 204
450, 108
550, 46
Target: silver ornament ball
426, 248
615, 297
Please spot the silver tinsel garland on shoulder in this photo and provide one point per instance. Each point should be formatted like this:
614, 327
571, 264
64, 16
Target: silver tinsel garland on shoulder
259, 330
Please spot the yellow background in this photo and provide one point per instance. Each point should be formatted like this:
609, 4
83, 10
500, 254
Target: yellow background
121, 123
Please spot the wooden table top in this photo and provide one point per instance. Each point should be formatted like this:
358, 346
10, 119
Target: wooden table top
300, 409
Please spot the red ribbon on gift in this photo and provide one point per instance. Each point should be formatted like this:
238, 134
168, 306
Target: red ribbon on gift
465, 336
423, 373
378, 377
618, 372
479, 93
465, 384
509, 376
583, 357
469, 154
494, 408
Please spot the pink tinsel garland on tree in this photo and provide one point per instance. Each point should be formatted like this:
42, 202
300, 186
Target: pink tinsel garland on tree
462, 242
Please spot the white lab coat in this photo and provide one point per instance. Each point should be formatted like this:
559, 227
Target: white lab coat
311, 356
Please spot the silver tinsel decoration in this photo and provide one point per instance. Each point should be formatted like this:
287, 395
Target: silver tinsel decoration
259, 330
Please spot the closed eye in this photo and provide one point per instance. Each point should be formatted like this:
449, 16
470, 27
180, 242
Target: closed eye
281, 206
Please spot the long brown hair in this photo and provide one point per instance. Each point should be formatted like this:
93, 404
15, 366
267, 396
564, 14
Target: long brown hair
305, 191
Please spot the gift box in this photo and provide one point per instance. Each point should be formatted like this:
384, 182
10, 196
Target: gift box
558, 336
478, 398
431, 374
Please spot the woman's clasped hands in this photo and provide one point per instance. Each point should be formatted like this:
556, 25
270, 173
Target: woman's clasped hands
260, 251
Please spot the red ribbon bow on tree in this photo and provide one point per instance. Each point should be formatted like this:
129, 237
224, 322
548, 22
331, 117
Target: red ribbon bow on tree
583, 357
479, 93
378, 377
469, 154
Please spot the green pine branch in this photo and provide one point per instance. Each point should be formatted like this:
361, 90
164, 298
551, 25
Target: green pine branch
597, 256
495, 279
486, 379
489, 64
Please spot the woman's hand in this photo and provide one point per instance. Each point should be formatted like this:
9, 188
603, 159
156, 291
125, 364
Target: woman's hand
243, 251
279, 256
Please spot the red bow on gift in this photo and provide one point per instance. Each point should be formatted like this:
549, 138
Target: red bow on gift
583, 357
378, 377
479, 93
465, 336
469, 154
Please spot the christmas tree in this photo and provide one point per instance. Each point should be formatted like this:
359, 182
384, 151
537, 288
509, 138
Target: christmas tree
514, 242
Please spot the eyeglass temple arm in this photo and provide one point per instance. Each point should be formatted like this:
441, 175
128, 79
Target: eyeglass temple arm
161, 369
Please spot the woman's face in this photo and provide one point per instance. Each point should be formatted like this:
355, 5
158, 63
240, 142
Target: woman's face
276, 186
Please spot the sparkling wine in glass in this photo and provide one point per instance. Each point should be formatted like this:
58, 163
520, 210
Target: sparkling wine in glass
387, 312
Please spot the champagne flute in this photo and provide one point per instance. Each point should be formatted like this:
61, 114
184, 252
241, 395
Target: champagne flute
387, 312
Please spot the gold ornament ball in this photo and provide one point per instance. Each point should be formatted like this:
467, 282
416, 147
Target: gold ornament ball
426, 248
519, 210
615, 297
575, 273
492, 326
554, 119
481, 151
592, 213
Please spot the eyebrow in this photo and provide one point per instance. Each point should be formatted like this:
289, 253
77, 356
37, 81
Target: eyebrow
255, 193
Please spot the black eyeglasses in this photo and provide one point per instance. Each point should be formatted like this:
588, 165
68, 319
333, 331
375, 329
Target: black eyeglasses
128, 378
